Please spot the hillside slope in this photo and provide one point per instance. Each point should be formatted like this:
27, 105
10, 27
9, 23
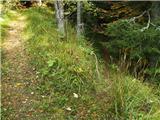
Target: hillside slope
70, 81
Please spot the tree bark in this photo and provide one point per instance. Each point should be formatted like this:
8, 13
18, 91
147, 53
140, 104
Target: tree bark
79, 23
59, 15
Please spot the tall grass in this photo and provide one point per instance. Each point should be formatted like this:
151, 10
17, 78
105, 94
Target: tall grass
66, 62
67, 66
132, 100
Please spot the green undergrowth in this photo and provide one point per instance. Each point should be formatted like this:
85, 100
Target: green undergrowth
66, 67
68, 62
135, 49
68, 80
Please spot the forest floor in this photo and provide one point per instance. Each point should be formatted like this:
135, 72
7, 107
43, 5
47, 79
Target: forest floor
17, 76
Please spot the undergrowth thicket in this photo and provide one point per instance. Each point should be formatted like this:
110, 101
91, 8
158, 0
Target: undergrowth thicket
68, 67
136, 50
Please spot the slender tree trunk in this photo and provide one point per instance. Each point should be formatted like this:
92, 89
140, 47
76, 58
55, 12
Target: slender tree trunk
60, 15
79, 23
57, 12
61, 11
40, 2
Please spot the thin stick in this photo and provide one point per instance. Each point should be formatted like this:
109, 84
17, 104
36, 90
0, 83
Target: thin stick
134, 18
148, 24
98, 74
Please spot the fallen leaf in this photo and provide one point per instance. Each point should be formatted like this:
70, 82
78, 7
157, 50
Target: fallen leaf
18, 84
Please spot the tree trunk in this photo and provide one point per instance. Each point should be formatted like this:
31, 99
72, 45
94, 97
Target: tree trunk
40, 2
59, 16
79, 24
155, 9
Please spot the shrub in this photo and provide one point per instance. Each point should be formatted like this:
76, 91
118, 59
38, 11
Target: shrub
138, 51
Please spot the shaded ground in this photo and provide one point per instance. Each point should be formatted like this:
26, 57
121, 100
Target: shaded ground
17, 75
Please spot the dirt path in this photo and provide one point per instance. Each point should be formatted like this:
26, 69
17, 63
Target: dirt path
17, 75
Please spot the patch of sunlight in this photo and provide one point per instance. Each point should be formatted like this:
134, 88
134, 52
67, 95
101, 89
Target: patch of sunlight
1, 19
22, 18
13, 12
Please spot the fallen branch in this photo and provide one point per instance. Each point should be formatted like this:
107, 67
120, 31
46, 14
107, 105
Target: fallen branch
149, 21
134, 18
148, 24
98, 74
157, 27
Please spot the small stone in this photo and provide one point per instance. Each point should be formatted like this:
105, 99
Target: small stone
36, 76
34, 69
68, 108
24, 102
75, 95
43, 96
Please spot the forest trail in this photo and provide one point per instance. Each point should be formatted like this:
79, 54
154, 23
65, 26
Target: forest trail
17, 75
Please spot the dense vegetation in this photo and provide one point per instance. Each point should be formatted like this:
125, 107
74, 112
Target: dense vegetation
136, 50
69, 67
114, 24
71, 73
